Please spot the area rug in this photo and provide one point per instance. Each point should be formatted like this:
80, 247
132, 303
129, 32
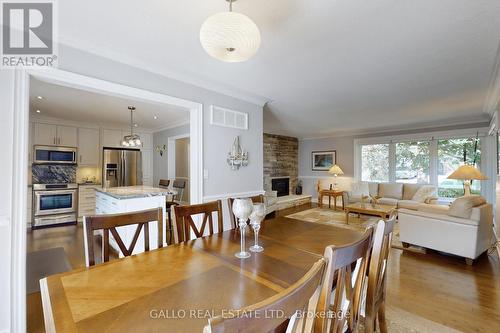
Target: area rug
330, 216
40, 264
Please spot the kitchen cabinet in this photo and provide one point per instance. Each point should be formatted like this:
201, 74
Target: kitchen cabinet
29, 203
45, 134
88, 147
86, 200
67, 136
48, 134
111, 138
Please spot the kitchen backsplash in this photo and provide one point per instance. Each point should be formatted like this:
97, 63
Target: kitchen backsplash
53, 174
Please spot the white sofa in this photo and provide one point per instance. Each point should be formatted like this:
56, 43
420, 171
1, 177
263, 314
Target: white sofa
401, 195
432, 226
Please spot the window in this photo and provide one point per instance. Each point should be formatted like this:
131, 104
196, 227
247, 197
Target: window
421, 161
375, 163
412, 162
451, 154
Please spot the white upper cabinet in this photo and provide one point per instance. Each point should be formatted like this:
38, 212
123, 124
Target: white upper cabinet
88, 146
67, 136
111, 138
147, 167
47, 134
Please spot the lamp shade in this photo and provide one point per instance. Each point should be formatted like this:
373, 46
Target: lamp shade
336, 170
467, 172
230, 37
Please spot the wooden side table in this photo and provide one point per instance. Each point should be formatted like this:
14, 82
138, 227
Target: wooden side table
330, 194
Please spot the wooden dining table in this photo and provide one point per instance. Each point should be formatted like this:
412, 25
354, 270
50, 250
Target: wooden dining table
177, 288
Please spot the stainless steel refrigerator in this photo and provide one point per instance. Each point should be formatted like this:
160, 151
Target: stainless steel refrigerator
121, 167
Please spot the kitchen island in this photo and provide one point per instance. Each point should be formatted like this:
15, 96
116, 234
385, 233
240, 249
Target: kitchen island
116, 200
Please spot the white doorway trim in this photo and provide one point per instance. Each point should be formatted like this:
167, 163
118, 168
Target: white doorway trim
20, 162
171, 154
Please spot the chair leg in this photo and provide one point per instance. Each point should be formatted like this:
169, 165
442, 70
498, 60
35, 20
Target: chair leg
169, 223
381, 318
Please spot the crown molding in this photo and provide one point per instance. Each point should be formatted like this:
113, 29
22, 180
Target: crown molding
172, 125
472, 122
192, 79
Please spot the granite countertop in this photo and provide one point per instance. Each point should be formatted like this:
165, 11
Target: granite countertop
132, 192
83, 184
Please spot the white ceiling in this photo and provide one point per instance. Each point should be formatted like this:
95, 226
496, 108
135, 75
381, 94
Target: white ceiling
88, 107
324, 66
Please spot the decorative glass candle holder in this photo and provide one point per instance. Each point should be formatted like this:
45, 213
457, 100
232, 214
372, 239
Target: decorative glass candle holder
257, 216
242, 208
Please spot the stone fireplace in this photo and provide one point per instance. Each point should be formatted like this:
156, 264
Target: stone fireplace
281, 185
281, 160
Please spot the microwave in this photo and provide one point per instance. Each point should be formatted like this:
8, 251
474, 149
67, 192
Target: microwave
54, 155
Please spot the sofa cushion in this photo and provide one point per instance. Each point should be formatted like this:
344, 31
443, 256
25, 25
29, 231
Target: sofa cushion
373, 189
391, 190
424, 192
388, 201
435, 209
408, 204
409, 190
462, 207
438, 217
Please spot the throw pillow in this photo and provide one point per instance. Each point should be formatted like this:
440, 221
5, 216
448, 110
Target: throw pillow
424, 192
462, 207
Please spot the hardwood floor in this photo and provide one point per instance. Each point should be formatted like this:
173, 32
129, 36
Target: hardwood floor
437, 287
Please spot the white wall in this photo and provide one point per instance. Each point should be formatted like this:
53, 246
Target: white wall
160, 166
6, 137
216, 141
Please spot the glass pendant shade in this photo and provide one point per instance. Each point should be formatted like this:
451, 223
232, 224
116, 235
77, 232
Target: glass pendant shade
131, 140
230, 37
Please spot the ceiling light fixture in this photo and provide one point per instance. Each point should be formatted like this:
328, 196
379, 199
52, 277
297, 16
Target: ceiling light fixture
132, 140
39, 97
155, 117
38, 111
230, 36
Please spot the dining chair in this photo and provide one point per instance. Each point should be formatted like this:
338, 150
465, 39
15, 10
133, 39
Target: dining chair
341, 294
377, 276
170, 201
185, 223
179, 185
108, 224
255, 199
300, 298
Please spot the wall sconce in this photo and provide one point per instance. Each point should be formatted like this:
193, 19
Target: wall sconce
237, 157
161, 149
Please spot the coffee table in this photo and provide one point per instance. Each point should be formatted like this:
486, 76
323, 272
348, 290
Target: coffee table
368, 209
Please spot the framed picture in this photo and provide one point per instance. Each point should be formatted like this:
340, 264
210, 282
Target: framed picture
323, 160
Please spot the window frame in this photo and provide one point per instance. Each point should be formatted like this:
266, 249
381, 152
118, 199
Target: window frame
433, 138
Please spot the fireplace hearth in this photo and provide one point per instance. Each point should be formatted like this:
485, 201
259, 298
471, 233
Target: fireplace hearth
281, 185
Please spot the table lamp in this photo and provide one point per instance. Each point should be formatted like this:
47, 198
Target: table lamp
467, 173
335, 170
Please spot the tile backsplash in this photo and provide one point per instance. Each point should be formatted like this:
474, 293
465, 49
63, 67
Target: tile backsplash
53, 174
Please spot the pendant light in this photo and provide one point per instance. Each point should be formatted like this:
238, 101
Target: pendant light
132, 140
230, 36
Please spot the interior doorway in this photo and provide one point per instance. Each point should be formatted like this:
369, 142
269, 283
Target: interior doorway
178, 153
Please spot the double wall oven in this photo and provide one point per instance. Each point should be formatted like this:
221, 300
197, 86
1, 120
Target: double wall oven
54, 204
55, 192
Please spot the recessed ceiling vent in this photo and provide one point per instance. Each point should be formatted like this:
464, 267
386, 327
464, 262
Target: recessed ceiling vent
228, 118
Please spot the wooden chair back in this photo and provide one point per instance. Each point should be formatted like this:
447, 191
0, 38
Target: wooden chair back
347, 287
164, 183
255, 199
108, 223
301, 296
179, 185
185, 223
377, 275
